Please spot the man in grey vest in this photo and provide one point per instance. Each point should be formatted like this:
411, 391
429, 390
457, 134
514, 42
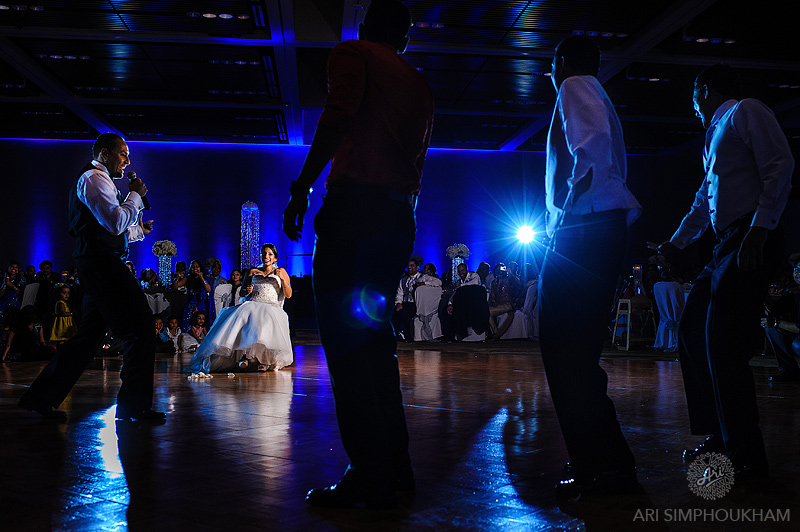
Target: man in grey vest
102, 224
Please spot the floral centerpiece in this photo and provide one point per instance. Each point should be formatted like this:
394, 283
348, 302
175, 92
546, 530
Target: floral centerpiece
165, 250
456, 253
457, 250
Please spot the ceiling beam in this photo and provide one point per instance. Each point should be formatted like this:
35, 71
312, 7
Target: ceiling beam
677, 15
281, 24
31, 70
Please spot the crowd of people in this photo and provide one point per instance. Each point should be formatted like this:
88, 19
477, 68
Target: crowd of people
376, 128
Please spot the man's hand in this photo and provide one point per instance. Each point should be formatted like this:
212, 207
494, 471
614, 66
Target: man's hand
398, 306
666, 248
295, 211
146, 226
137, 186
751, 252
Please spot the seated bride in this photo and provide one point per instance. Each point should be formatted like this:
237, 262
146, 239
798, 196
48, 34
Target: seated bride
254, 335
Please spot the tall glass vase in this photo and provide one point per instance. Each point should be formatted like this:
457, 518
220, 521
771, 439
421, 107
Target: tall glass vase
165, 269
456, 262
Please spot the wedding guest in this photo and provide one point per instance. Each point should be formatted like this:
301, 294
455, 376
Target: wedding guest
195, 332
376, 126
783, 320
8, 325
430, 269
179, 277
405, 307
748, 164
131, 267
45, 297
503, 298
29, 341
173, 332
484, 271
164, 343
588, 210
465, 278
63, 325
12, 285
235, 280
30, 274
197, 289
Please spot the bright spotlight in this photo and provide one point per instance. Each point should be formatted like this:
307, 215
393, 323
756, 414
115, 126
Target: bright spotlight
525, 234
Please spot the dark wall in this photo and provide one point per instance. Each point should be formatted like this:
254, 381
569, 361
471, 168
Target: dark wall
475, 197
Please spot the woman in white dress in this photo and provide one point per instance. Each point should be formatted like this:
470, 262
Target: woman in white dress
252, 336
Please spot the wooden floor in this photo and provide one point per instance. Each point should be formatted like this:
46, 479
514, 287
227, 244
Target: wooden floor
239, 452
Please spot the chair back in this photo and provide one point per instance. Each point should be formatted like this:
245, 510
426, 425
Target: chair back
29, 294
223, 297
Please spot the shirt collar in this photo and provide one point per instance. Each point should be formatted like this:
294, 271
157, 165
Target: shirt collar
721, 110
100, 166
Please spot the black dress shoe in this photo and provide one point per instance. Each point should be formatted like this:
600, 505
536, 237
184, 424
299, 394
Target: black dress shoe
350, 492
46, 411
712, 444
148, 415
577, 488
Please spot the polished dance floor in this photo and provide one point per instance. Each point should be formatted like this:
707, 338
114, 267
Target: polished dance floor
239, 452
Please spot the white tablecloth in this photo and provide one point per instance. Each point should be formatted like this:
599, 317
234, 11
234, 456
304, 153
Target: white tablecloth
670, 299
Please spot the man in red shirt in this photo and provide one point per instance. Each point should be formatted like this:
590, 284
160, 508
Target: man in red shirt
376, 127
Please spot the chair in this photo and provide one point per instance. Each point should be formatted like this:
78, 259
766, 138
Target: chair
29, 294
670, 299
426, 322
626, 309
523, 325
223, 297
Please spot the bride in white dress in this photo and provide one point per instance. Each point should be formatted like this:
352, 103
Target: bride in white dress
253, 335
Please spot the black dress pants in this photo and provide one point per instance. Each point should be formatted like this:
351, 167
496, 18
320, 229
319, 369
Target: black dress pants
362, 246
576, 293
718, 333
112, 300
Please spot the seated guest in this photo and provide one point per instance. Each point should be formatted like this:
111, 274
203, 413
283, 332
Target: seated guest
195, 333
164, 343
470, 309
235, 281
11, 286
197, 290
484, 271
30, 274
173, 332
404, 306
28, 342
148, 279
465, 278
179, 277
430, 269
782, 324
503, 298
131, 267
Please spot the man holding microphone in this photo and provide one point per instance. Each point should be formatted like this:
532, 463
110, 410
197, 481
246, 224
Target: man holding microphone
103, 223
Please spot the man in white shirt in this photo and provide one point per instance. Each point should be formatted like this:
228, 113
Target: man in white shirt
589, 208
405, 307
748, 166
102, 224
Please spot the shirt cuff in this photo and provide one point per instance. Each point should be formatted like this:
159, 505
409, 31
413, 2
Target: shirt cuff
766, 218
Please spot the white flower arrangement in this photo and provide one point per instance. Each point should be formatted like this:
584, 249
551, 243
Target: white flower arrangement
457, 250
165, 248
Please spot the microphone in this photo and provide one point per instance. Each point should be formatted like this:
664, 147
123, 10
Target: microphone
132, 177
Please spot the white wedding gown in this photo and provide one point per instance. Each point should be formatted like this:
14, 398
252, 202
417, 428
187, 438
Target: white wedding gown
257, 329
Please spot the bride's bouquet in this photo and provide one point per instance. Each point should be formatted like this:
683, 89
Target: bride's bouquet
457, 250
165, 248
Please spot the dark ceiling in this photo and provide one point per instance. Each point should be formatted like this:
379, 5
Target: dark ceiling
253, 71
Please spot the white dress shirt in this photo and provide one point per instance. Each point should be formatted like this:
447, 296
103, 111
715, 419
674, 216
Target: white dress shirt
405, 292
748, 166
585, 133
97, 191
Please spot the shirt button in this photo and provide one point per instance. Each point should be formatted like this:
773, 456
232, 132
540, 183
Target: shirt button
710, 196
712, 211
